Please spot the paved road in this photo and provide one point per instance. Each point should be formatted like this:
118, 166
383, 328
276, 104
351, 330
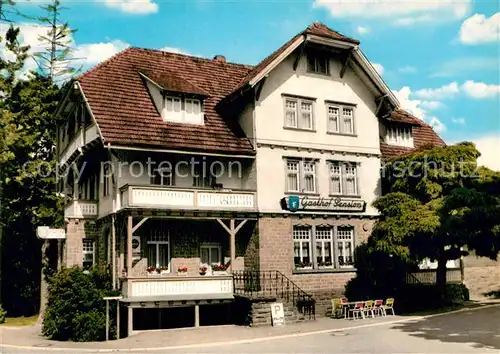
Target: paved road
466, 332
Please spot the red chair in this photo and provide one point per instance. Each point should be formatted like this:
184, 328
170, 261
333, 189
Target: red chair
378, 307
359, 309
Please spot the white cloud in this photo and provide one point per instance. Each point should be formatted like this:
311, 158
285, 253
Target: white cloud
408, 69
479, 29
174, 50
405, 13
459, 121
465, 66
85, 55
480, 90
414, 106
361, 30
94, 53
437, 125
380, 69
432, 105
419, 108
446, 91
489, 146
140, 7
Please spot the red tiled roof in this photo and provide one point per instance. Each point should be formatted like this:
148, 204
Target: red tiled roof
174, 83
423, 136
126, 114
317, 28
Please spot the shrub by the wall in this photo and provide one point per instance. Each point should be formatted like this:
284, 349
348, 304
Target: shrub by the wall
75, 309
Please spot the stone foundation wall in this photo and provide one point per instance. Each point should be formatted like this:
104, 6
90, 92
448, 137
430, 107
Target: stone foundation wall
76, 231
276, 253
257, 312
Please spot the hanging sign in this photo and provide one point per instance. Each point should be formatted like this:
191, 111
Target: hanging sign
295, 203
46, 233
277, 314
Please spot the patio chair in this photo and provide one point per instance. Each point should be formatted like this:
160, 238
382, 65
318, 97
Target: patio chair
378, 307
368, 309
389, 305
358, 309
345, 306
337, 308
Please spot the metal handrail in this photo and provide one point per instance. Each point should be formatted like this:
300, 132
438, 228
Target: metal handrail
256, 284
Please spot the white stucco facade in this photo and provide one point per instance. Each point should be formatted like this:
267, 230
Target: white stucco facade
264, 122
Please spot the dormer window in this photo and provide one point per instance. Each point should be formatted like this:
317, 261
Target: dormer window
182, 110
401, 136
317, 63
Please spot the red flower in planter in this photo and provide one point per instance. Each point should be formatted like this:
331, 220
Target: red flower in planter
219, 267
203, 269
151, 269
182, 269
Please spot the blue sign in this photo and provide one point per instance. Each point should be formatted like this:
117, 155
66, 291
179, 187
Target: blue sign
293, 203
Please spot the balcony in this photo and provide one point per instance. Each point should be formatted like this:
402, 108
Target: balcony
190, 199
80, 209
178, 288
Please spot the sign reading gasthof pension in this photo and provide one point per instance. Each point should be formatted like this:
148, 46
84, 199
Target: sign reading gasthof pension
306, 203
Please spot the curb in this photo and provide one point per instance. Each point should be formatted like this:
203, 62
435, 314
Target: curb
242, 341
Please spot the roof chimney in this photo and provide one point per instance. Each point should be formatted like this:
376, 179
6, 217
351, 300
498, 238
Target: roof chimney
220, 58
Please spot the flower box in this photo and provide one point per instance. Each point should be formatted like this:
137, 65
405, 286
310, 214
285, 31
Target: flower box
219, 272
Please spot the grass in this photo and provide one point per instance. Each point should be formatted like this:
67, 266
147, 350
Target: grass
20, 321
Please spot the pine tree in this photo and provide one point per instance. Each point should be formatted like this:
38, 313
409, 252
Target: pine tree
55, 60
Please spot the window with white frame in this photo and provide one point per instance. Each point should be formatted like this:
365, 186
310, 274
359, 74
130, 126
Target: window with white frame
401, 136
162, 176
343, 178
299, 113
182, 110
324, 246
345, 246
301, 176
318, 63
302, 246
158, 249
202, 176
340, 119
210, 254
88, 253
106, 178
328, 246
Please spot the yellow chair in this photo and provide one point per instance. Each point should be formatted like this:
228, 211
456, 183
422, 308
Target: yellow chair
337, 308
389, 305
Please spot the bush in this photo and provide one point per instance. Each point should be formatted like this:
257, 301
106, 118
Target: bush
380, 276
3, 313
75, 309
90, 326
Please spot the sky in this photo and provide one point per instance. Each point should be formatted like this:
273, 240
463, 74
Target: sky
440, 57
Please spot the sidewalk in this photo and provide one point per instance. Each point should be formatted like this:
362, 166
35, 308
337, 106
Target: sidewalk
29, 338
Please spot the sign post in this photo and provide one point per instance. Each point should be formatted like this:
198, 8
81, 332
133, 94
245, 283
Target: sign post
277, 314
46, 233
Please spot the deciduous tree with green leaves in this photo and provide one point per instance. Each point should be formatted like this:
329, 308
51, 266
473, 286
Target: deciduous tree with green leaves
438, 204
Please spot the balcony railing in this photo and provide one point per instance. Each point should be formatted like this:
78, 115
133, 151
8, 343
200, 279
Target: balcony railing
80, 209
81, 138
144, 287
180, 198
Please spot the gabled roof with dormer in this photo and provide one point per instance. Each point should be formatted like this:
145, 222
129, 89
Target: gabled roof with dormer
126, 114
423, 135
122, 106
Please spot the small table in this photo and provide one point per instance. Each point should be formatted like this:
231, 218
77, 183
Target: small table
347, 306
